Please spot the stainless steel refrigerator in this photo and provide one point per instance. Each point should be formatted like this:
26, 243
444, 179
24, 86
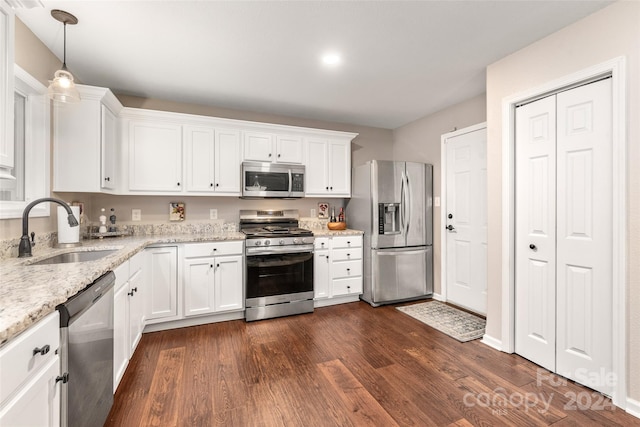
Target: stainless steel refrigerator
392, 203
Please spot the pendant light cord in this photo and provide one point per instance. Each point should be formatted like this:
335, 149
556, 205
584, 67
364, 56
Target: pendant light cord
64, 54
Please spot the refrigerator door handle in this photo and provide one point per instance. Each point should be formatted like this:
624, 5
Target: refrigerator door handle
408, 208
403, 207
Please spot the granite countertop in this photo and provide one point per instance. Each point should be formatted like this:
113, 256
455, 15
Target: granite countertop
30, 292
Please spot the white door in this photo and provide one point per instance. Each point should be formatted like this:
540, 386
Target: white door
536, 232
466, 219
564, 234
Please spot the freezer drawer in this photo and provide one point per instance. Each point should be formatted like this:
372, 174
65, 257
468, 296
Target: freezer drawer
401, 274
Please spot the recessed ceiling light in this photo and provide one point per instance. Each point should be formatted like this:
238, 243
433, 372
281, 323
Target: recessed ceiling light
331, 59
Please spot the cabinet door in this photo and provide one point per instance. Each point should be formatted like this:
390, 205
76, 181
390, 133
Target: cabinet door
289, 149
339, 168
162, 283
120, 334
317, 167
321, 277
200, 152
109, 140
155, 156
228, 283
136, 310
258, 146
199, 279
227, 162
38, 402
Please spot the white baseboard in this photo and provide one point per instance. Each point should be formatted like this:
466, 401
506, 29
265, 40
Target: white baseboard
633, 407
492, 342
325, 302
439, 297
194, 321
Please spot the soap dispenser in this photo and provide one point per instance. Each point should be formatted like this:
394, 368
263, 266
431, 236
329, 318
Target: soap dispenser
103, 222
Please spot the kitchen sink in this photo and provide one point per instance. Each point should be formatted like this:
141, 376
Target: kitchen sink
77, 256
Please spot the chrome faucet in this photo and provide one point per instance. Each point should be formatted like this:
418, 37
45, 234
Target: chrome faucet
24, 250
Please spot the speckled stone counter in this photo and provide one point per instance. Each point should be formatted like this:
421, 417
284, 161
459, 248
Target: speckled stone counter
30, 292
325, 232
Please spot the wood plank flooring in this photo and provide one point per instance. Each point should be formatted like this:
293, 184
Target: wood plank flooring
345, 365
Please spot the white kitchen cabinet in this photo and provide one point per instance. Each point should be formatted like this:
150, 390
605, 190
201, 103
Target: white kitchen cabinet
337, 267
161, 280
276, 148
128, 313
29, 368
213, 277
155, 156
212, 160
85, 139
328, 168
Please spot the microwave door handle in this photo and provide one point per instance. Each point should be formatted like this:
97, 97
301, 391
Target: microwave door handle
290, 183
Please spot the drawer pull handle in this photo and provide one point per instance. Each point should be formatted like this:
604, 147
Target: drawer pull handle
348, 269
42, 350
64, 378
348, 254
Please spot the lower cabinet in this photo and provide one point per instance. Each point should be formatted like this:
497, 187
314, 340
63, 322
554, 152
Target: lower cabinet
337, 267
29, 369
128, 313
161, 267
213, 275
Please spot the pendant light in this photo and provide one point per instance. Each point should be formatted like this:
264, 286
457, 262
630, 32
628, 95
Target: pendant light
62, 88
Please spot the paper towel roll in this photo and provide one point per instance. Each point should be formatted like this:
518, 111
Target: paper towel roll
67, 234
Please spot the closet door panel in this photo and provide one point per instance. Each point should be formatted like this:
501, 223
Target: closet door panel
584, 230
535, 231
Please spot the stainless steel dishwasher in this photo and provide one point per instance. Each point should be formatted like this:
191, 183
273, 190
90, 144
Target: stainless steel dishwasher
86, 353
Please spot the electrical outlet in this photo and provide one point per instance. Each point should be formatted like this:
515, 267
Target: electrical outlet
313, 213
436, 201
213, 213
136, 214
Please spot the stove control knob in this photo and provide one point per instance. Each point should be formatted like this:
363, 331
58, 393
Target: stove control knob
267, 242
258, 242
281, 241
296, 241
303, 240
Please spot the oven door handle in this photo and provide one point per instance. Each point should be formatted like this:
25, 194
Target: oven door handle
274, 250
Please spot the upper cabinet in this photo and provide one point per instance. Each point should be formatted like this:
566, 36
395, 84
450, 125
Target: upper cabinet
276, 148
328, 167
85, 142
212, 160
155, 156
148, 152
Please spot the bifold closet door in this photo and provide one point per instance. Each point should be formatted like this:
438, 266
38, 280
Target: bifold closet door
564, 233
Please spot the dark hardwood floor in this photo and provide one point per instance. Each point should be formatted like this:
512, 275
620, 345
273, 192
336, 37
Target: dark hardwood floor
345, 365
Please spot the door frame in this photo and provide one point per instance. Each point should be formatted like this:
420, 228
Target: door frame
443, 199
616, 69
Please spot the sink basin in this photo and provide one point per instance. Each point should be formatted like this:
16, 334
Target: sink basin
78, 256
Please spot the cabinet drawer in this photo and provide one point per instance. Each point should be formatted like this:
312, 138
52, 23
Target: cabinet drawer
192, 250
321, 243
347, 286
346, 254
122, 275
17, 360
346, 269
346, 242
135, 263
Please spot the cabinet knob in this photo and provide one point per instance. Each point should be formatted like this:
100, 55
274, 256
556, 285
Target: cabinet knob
42, 350
178, 184
348, 270
348, 287
134, 289
348, 255
330, 188
532, 246
64, 378
278, 155
211, 185
269, 154
217, 265
327, 188
106, 178
210, 265
217, 185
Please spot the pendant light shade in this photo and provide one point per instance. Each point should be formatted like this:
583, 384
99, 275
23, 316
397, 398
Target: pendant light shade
62, 88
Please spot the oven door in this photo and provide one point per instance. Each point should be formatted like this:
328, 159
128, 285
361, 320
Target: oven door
277, 275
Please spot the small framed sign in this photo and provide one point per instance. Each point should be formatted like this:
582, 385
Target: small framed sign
176, 211
323, 210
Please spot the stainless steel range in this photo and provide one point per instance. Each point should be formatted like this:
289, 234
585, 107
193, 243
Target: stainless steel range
279, 264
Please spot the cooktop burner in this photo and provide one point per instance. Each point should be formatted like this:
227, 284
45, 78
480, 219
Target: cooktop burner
273, 231
273, 227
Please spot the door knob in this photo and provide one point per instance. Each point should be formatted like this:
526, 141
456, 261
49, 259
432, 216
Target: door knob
533, 247
450, 227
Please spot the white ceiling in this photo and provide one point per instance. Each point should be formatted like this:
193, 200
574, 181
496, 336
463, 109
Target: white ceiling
400, 60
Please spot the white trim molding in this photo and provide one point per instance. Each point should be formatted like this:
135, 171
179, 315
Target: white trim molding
491, 342
633, 407
616, 68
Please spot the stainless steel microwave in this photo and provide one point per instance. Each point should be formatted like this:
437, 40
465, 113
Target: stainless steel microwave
272, 180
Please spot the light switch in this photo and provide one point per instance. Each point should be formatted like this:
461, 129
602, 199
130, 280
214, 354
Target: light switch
213, 213
136, 215
313, 213
436, 201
